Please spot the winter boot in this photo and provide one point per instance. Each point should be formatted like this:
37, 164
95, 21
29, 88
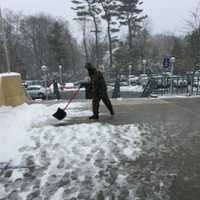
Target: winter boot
112, 112
94, 117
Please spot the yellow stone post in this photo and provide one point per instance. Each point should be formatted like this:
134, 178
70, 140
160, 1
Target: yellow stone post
12, 92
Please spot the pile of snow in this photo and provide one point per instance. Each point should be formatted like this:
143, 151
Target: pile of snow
136, 88
79, 161
16, 124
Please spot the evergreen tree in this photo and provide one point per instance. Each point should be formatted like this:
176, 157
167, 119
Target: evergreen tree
129, 15
121, 60
178, 51
83, 23
194, 45
57, 45
89, 9
110, 11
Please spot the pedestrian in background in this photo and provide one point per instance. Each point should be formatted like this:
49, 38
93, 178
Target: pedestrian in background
116, 91
56, 89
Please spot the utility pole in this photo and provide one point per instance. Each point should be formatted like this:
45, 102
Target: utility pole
96, 44
2, 31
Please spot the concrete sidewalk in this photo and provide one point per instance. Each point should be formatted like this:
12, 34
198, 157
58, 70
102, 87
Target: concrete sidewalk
183, 111
169, 167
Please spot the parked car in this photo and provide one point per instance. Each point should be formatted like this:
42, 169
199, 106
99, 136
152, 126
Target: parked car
196, 81
166, 74
35, 82
24, 84
133, 79
143, 79
123, 78
37, 92
123, 83
70, 87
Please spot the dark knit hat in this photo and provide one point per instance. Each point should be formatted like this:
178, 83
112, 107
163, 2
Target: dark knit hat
89, 66
91, 69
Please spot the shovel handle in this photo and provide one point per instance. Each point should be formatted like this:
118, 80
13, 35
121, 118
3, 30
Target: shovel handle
71, 98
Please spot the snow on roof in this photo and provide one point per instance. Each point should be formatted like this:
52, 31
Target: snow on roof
7, 74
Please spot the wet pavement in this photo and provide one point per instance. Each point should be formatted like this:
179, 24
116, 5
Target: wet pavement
167, 167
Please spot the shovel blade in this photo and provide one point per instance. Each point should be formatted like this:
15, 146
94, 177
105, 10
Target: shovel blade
60, 114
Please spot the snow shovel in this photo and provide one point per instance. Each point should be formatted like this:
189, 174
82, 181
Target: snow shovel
61, 113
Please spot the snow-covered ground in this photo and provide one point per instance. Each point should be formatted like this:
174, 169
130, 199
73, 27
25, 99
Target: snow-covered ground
169, 96
81, 161
136, 88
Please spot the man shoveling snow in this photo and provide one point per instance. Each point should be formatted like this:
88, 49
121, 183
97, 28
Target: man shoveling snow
99, 91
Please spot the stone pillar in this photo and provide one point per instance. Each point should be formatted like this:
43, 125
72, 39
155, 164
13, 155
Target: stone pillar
12, 93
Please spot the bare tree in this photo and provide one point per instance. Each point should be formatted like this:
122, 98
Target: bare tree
2, 27
90, 8
194, 21
110, 12
193, 37
83, 22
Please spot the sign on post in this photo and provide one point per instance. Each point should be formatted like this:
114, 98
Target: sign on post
166, 62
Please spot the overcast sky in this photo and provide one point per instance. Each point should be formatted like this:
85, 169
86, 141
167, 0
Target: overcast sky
166, 15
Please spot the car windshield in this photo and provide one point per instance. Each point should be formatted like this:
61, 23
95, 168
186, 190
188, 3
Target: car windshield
33, 88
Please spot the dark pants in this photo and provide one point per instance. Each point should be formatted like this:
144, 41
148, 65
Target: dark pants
95, 104
57, 94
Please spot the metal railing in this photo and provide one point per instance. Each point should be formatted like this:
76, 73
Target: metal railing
179, 85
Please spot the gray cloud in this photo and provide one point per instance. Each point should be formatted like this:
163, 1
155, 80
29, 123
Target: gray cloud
166, 15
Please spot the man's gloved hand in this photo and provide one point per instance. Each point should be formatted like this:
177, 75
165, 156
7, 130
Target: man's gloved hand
80, 85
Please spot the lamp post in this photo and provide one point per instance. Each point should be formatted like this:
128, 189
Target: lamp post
144, 62
60, 72
130, 70
172, 61
44, 69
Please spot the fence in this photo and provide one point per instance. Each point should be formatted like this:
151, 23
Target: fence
177, 85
